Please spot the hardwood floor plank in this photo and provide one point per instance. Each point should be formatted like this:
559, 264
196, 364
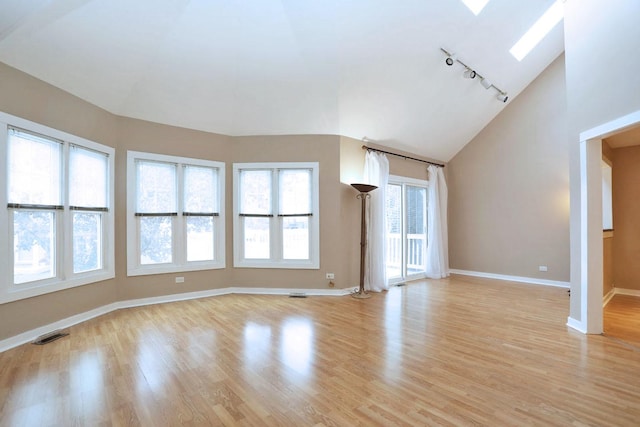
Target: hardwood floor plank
621, 319
462, 351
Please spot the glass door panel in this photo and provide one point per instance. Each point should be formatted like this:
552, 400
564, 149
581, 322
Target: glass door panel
394, 232
406, 216
416, 236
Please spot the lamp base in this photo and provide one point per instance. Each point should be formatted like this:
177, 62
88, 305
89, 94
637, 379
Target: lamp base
361, 295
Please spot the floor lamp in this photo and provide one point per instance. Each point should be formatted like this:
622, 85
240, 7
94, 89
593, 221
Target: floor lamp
364, 190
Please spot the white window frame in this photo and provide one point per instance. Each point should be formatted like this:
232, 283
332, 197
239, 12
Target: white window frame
64, 278
180, 263
276, 260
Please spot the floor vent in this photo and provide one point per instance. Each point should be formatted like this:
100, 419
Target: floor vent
50, 337
400, 284
297, 295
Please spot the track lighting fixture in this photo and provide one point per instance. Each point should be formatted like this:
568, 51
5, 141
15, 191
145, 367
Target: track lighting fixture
470, 73
451, 59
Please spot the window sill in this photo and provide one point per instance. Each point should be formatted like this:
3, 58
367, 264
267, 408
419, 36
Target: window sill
171, 268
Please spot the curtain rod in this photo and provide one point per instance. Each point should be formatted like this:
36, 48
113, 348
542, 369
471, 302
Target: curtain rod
364, 147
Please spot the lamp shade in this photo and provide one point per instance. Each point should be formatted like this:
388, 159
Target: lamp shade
364, 188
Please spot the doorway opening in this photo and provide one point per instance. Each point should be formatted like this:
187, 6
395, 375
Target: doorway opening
621, 278
591, 245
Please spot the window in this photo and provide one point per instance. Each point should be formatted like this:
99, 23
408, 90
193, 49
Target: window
175, 214
406, 216
276, 215
538, 30
58, 220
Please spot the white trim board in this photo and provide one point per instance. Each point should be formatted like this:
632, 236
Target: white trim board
28, 336
589, 281
31, 335
576, 324
607, 297
614, 126
521, 279
619, 291
630, 292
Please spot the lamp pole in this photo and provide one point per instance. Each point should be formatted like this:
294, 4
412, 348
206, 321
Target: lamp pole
364, 190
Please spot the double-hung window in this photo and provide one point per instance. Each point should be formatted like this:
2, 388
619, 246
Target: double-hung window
175, 214
276, 215
58, 220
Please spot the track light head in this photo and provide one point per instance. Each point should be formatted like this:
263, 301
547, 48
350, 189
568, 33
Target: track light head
451, 59
469, 74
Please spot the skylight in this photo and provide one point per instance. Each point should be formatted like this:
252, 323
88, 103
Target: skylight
539, 30
475, 6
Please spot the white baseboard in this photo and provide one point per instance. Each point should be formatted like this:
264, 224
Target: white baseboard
285, 291
630, 292
576, 324
619, 291
32, 334
607, 297
172, 298
531, 280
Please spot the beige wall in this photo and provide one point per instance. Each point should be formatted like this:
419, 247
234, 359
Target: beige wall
626, 211
351, 170
29, 98
607, 152
326, 151
138, 135
601, 39
340, 159
405, 167
607, 263
509, 189
145, 136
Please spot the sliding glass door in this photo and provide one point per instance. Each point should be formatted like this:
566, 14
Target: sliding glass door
406, 216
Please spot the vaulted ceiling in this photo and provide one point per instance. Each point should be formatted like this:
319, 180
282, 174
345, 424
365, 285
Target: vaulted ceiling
357, 68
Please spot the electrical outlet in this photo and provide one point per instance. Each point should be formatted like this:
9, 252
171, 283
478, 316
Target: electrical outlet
542, 268
331, 276
179, 279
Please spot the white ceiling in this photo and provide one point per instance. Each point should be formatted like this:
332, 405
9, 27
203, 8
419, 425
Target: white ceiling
245, 67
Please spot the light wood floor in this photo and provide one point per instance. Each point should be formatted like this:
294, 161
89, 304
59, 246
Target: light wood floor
462, 351
622, 319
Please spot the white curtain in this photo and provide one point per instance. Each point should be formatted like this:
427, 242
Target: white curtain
376, 172
437, 240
